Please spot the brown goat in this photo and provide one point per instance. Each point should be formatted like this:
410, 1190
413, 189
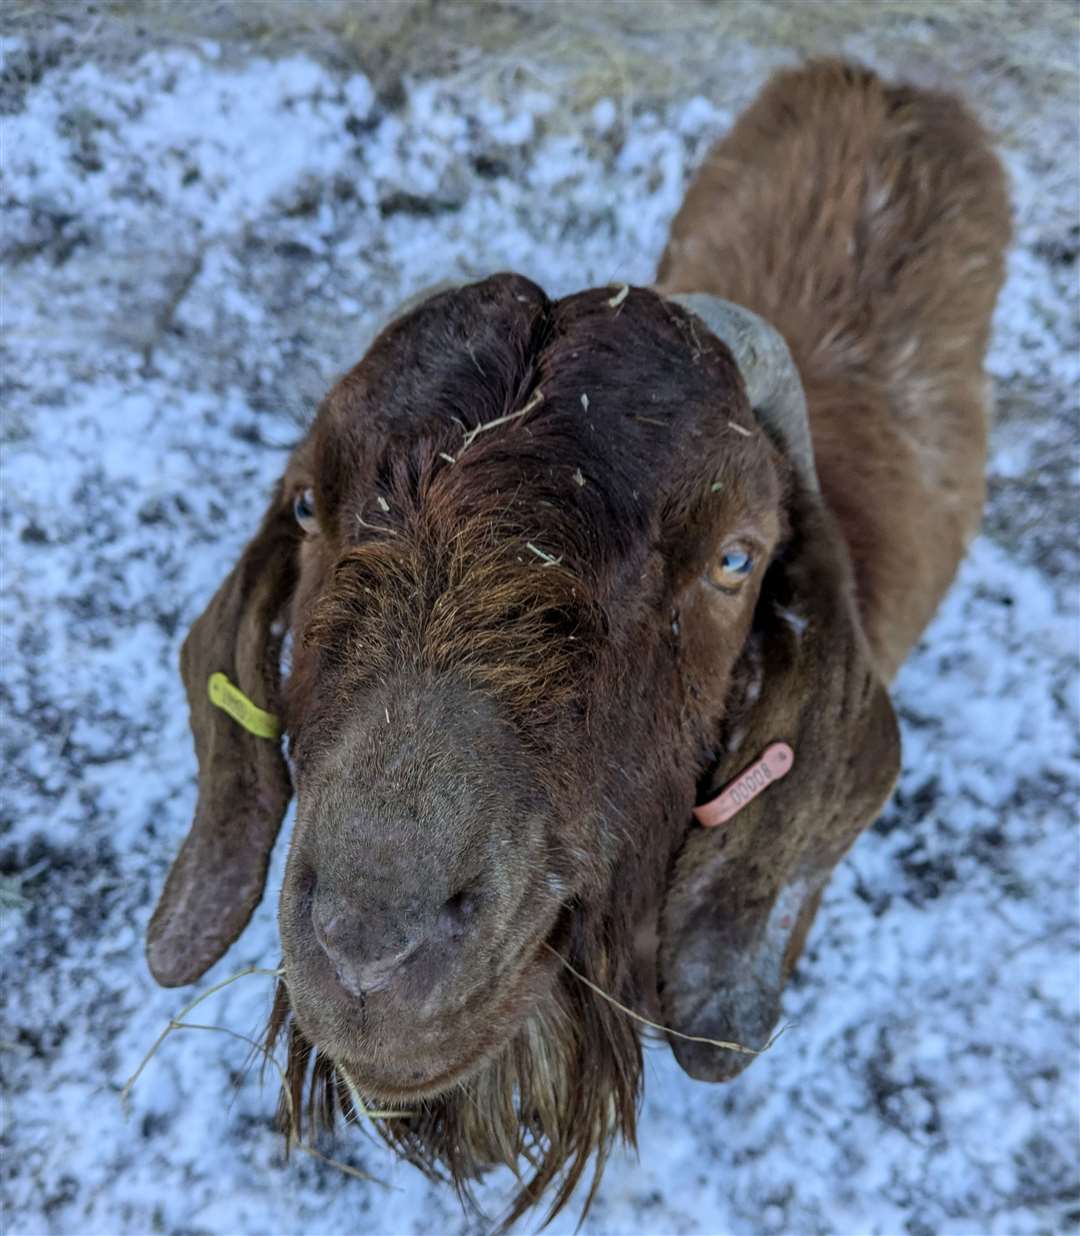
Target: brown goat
556, 572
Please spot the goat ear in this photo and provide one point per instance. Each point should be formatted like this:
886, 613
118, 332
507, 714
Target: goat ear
217, 879
742, 895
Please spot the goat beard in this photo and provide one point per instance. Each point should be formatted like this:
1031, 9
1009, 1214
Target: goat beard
558, 1094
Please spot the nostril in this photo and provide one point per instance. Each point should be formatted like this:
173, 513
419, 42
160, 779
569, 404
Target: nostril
457, 913
304, 886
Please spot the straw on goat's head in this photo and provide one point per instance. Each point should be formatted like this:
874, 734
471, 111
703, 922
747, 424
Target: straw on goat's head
531, 554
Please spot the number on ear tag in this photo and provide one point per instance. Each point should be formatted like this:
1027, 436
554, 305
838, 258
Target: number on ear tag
776, 761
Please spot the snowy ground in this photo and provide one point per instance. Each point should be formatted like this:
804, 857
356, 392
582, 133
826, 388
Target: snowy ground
194, 242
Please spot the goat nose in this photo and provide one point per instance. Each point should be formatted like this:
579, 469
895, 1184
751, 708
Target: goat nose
365, 954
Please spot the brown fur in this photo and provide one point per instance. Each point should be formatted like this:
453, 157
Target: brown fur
869, 225
512, 676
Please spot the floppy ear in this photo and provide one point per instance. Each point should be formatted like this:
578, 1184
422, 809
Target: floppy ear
742, 894
217, 879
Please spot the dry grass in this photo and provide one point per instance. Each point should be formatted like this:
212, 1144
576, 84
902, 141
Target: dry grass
726, 1044
584, 50
180, 1022
535, 400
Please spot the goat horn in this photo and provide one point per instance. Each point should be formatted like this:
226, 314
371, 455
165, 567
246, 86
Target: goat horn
772, 380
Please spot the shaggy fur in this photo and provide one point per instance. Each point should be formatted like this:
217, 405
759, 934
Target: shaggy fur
443, 582
520, 656
555, 1098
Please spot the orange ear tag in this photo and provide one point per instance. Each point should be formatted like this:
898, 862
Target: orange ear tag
775, 762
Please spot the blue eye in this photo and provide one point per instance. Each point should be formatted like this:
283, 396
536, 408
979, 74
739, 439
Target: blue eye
304, 510
736, 562
731, 568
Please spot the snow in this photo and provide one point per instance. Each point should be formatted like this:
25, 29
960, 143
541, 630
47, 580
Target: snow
193, 247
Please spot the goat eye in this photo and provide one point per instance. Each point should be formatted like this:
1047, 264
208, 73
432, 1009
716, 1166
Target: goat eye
731, 568
304, 510
736, 562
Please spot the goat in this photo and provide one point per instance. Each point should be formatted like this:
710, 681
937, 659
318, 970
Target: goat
557, 571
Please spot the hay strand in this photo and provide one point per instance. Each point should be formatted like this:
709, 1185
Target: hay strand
546, 558
179, 1022
689, 1038
175, 1022
535, 400
359, 1108
347, 1168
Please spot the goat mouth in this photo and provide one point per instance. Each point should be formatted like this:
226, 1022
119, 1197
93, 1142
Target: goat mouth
393, 1058
418, 1086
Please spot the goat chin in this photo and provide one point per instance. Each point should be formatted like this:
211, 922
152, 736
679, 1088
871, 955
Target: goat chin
558, 1095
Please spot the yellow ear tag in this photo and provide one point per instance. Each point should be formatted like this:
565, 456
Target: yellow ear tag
232, 700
